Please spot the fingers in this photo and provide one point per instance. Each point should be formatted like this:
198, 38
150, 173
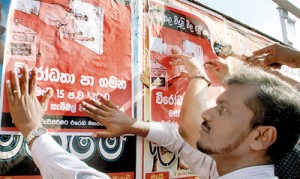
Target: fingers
15, 85
95, 103
180, 56
211, 61
32, 83
102, 104
269, 59
211, 68
46, 99
24, 80
256, 62
91, 114
93, 111
10, 95
108, 103
103, 134
176, 62
262, 51
214, 64
175, 51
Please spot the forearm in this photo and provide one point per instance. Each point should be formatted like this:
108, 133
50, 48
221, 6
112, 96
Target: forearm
54, 162
294, 61
165, 135
140, 128
194, 104
291, 81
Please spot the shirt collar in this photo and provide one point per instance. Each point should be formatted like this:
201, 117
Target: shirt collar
260, 171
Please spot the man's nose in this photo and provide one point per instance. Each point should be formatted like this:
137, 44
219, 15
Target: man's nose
208, 114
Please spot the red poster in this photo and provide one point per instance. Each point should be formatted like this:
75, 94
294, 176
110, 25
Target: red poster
173, 29
81, 49
158, 175
188, 30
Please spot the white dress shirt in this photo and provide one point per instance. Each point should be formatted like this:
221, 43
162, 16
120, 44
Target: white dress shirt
202, 165
254, 172
166, 135
56, 163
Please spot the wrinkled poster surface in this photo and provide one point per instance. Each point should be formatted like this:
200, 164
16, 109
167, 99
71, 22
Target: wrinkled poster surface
186, 28
81, 49
173, 27
78, 48
87, 48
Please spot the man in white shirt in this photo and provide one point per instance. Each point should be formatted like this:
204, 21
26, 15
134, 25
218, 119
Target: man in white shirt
277, 54
254, 124
256, 113
54, 162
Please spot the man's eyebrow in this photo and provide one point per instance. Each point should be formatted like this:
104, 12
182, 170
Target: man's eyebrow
223, 102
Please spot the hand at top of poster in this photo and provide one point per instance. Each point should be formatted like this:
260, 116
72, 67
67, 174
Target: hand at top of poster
173, 71
216, 71
116, 121
276, 55
192, 66
25, 109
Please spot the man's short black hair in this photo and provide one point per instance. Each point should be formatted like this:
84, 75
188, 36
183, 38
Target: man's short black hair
276, 103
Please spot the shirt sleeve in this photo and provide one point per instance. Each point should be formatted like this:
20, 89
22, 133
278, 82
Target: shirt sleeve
167, 135
54, 162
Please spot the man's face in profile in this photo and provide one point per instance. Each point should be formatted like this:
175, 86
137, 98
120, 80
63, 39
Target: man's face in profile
227, 125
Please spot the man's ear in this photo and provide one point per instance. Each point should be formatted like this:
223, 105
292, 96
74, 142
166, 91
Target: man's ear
263, 137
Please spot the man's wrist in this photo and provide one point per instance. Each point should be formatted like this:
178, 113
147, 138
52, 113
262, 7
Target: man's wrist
140, 128
295, 62
27, 129
200, 76
31, 142
38, 131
